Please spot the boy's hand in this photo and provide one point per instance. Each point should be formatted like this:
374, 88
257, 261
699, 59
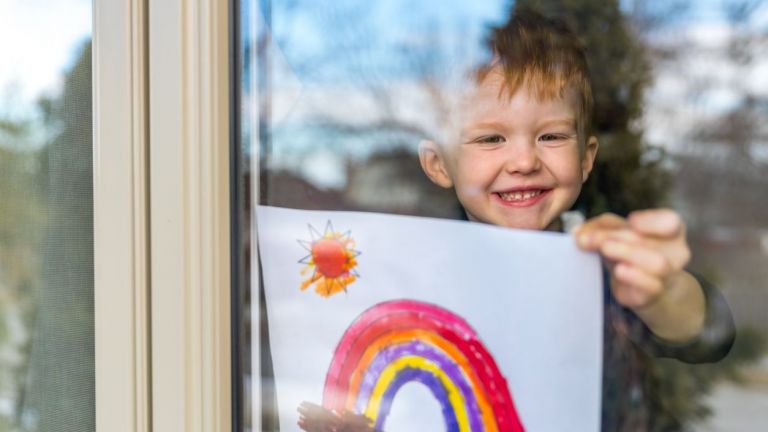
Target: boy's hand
315, 418
646, 255
643, 252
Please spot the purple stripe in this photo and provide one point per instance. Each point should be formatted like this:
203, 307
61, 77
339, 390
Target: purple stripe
420, 349
433, 384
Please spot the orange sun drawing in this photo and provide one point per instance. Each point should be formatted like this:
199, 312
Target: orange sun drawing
331, 260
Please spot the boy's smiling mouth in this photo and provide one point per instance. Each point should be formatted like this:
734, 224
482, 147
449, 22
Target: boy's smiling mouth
521, 197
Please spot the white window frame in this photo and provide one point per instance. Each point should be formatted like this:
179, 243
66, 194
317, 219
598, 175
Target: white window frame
161, 215
121, 256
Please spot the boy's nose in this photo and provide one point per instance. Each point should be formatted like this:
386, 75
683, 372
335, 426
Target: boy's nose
522, 157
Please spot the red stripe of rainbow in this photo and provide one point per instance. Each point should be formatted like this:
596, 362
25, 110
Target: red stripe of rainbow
357, 366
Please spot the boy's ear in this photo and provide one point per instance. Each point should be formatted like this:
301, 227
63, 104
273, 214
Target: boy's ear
588, 158
433, 164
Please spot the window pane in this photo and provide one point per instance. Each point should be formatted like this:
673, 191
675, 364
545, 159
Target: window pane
337, 97
46, 228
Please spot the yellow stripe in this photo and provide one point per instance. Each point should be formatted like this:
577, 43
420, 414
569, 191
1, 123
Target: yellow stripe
429, 338
455, 397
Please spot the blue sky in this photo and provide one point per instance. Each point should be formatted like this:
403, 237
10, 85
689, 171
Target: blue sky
39, 39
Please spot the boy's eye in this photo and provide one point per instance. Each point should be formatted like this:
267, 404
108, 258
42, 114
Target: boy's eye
552, 137
490, 139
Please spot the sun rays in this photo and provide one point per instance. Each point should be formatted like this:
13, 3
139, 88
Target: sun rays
331, 260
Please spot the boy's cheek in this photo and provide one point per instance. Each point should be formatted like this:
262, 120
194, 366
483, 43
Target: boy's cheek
478, 164
469, 191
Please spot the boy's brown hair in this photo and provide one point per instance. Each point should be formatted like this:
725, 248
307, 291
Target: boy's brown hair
546, 56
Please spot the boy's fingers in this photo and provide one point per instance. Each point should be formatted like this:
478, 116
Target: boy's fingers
643, 258
635, 288
598, 237
604, 221
315, 417
657, 222
626, 235
591, 234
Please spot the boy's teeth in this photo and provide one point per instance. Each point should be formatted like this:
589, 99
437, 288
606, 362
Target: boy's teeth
519, 196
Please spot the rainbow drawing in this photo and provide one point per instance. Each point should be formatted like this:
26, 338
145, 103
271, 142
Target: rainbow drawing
403, 341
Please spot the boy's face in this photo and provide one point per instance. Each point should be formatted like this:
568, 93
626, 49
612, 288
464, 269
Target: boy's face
517, 163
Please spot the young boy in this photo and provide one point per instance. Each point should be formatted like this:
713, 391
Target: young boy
524, 151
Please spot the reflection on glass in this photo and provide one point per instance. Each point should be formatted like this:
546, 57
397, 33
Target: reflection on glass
46, 253
353, 89
347, 90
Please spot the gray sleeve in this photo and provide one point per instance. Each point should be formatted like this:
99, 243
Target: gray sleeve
712, 344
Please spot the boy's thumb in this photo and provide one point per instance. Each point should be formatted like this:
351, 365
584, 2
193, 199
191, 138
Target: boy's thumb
656, 222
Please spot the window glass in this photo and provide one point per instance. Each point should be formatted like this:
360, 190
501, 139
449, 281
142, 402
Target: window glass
338, 96
46, 228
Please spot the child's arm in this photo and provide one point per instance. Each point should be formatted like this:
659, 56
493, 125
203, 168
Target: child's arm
646, 254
